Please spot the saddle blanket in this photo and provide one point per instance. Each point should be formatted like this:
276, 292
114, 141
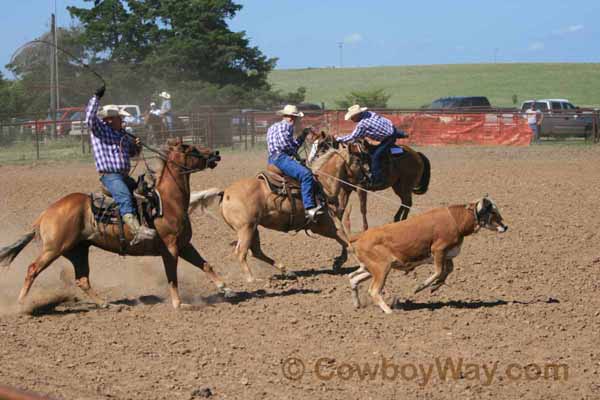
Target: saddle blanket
395, 150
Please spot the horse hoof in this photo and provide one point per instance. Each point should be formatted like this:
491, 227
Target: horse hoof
227, 293
290, 275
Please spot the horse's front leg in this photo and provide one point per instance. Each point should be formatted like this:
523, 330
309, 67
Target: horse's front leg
170, 257
191, 255
362, 197
343, 198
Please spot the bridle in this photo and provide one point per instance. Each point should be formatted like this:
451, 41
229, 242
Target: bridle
211, 158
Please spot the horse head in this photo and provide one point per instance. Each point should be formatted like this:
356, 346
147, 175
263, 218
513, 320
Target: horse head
321, 144
191, 158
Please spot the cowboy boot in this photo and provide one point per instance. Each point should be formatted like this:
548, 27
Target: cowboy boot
140, 233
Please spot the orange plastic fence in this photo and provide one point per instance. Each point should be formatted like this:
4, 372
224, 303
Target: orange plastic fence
504, 128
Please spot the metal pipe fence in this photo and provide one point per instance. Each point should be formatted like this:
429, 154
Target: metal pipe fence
246, 129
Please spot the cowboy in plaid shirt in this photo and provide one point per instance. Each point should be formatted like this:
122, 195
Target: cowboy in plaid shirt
376, 128
112, 149
282, 147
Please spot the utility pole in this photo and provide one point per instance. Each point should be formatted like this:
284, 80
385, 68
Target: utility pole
341, 47
53, 85
56, 59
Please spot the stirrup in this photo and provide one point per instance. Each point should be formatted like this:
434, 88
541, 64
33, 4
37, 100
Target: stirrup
143, 234
312, 213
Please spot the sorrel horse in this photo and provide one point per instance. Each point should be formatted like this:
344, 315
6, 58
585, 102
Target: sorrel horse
407, 174
68, 228
248, 203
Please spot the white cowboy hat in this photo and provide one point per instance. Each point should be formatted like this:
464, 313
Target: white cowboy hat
353, 110
164, 95
112, 110
153, 104
291, 110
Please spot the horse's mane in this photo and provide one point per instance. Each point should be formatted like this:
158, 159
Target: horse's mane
319, 162
157, 166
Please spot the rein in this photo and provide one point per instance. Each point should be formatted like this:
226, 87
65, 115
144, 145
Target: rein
165, 157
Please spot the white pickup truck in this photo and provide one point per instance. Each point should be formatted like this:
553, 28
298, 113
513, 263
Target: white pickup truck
78, 128
561, 118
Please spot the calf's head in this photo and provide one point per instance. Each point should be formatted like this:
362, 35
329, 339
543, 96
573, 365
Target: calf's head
488, 215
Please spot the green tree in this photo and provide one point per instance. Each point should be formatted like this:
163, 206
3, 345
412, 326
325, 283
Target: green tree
177, 40
376, 98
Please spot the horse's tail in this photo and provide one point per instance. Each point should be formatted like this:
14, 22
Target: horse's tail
205, 199
423, 185
9, 253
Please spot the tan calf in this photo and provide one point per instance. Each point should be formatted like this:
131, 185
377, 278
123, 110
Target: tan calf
432, 237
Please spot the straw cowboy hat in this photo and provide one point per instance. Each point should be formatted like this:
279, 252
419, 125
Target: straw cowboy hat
112, 110
291, 110
353, 110
164, 95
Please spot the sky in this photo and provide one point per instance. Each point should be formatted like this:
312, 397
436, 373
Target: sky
350, 33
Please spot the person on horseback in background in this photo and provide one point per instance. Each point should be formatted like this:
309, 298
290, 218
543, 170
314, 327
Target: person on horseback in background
112, 148
282, 147
165, 109
378, 129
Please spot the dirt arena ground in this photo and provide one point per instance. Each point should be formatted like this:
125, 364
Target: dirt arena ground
519, 317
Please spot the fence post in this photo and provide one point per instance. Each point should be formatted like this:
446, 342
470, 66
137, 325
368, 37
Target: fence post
253, 130
245, 129
82, 130
37, 140
595, 127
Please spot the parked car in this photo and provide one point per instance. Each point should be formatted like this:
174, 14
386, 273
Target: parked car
469, 102
63, 119
561, 118
136, 116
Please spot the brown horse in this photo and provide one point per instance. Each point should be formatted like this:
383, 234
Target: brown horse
68, 227
407, 174
156, 128
248, 203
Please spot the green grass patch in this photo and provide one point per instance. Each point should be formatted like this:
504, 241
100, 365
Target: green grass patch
25, 152
414, 86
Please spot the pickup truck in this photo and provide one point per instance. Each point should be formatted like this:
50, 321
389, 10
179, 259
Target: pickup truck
561, 118
133, 121
64, 118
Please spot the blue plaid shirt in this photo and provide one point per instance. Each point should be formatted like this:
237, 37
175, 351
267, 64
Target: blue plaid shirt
281, 140
111, 149
373, 126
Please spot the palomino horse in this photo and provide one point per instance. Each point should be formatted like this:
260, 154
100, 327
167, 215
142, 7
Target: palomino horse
248, 203
407, 174
68, 227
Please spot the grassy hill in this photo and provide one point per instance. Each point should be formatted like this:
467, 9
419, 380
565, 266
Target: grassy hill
413, 86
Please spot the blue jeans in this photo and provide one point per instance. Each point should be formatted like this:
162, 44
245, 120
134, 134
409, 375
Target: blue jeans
377, 154
294, 169
536, 132
169, 121
119, 186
